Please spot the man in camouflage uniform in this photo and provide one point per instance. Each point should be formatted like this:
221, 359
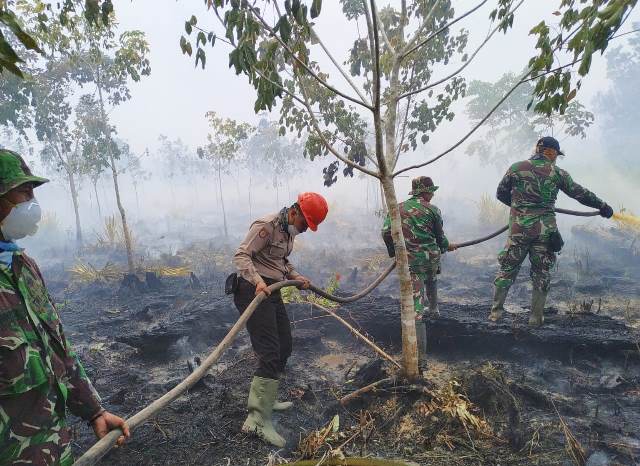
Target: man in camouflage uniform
40, 375
425, 241
530, 188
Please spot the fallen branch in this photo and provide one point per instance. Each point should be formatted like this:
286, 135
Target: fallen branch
371, 344
351, 396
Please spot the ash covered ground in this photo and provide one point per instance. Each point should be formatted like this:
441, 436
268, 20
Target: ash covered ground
492, 394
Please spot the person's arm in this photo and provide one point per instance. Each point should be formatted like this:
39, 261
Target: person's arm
257, 238
438, 230
387, 238
578, 192
503, 193
82, 398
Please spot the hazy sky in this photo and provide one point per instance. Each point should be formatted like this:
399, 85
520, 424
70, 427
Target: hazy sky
173, 101
175, 97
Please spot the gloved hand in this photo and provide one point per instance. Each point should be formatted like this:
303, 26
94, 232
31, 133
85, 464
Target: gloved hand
606, 211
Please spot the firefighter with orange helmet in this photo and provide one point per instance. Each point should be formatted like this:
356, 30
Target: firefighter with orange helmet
261, 260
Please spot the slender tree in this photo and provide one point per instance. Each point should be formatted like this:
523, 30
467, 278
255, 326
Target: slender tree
270, 154
225, 145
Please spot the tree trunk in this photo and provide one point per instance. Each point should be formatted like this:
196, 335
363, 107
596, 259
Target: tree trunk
76, 210
385, 154
125, 228
95, 191
224, 214
407, 311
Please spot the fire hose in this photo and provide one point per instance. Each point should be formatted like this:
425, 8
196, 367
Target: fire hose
102, 446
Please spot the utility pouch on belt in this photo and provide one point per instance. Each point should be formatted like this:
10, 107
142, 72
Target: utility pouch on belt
231, 284
555, 241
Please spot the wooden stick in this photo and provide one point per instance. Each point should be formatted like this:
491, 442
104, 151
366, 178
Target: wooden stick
376, 348
347, 398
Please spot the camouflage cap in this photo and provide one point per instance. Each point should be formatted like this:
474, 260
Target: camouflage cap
15, 172
422, 184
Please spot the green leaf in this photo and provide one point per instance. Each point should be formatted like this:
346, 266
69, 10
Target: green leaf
316, 6
11, 67
193, 20
285, 29
7, 18
200, 55
187, 27
201, 37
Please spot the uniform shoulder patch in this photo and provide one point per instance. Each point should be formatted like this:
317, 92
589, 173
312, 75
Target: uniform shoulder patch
263, 233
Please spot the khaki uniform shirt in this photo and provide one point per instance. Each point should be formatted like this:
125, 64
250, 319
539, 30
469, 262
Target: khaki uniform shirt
264, 251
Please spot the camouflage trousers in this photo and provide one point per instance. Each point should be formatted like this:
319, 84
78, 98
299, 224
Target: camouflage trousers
541, 257
32, 429
419, 279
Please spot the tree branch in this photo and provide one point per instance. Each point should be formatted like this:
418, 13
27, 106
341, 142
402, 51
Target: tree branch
523, 79
268, 28
322, 137
384, 33
420, 29
442, 29
459, 70
344, 74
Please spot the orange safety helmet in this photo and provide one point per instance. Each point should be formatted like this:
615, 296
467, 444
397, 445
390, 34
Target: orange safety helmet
314, 208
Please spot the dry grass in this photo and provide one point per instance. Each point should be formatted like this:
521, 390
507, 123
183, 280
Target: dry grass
166, 271
572, 446
311, 445
87, 273
374, 263
491, 213
448, 401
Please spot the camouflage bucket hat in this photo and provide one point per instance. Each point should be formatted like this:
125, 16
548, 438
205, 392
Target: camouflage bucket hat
15, 172
422, 184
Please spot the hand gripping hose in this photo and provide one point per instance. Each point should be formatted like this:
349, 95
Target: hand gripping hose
102, 446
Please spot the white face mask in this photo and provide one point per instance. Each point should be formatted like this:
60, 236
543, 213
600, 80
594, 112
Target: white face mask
293, 231
22, 220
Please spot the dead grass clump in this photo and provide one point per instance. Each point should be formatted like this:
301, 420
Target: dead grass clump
87, 273
167, 271
449, 402
320, 441
374, 263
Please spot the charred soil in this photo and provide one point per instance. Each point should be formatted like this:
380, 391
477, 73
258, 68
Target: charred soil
491, 394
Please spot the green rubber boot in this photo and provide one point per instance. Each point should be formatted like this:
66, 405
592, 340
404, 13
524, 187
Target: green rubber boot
431, 288
262, 396
421, 336
497, 309
282, 405
538, 298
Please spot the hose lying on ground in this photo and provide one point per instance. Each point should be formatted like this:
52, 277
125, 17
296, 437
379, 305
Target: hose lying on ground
102, 446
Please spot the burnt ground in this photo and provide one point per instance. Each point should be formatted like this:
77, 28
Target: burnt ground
581, 370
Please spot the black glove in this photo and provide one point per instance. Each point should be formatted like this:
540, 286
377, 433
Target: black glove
606, 211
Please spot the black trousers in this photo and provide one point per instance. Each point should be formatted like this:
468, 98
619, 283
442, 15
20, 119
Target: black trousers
269, 328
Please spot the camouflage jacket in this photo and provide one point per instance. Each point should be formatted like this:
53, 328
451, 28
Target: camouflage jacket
531, 188
422, 229
33, 348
